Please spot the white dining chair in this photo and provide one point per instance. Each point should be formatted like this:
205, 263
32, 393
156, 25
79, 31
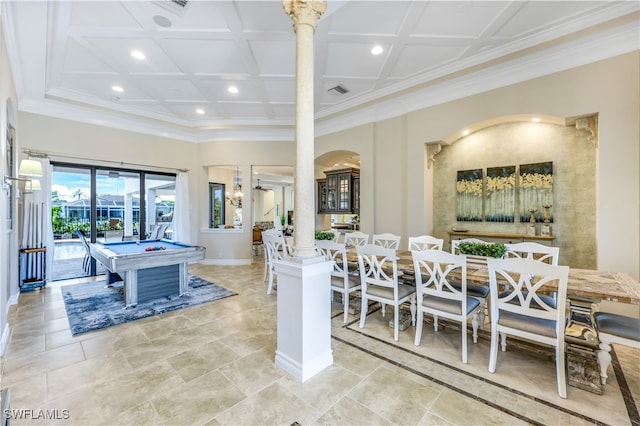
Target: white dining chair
535, 251
275, 248
378, 269
342, 281
425, 242
520, 310
356, 238
436, 271
386, 240
478, 291
614, 328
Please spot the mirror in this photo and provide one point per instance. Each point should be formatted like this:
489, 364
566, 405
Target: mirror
225, 197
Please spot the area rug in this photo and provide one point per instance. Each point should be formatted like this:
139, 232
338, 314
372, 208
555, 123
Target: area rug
92, 306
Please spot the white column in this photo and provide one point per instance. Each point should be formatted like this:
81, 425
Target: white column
304, 14
304, 280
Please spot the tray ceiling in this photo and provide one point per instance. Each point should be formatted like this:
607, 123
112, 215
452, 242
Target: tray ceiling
67, 56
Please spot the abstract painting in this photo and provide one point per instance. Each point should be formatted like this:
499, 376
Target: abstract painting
500, 194
536, 191
469, 196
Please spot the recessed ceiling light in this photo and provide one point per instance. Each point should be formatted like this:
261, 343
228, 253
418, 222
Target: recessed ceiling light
162, 21
232, 89
117, 89
465, 132
200, 111
535, 119
138, 54
376, 50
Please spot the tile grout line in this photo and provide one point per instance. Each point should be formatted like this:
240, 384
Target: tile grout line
538, 400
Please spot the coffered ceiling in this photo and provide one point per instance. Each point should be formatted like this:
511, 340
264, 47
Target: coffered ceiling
68, 55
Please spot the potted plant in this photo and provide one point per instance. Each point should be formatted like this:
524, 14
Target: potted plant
324, 235
477, 253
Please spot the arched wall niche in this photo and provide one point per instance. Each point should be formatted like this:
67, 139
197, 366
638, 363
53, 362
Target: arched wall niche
513, 141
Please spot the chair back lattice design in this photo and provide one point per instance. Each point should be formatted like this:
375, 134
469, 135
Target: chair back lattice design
378, 266
533, 251
456, 243
425, 242
341, 280
387, 240
275, 248
522, 309
356, 238
437, 271
336, 252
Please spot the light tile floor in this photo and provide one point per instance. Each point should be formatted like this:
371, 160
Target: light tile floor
214, 364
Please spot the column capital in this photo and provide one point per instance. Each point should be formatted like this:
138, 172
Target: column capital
305, 12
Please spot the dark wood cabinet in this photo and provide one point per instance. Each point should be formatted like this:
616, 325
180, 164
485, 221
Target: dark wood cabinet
337, 192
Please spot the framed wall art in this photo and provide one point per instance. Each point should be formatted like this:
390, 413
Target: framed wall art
469, 196
500, 194
536, 191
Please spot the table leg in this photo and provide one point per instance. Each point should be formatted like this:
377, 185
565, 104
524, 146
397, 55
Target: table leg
184, 279
130, 288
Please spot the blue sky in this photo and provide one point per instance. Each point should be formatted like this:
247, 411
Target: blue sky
68, 183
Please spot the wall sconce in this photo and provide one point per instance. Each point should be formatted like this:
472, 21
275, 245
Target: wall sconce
31, 168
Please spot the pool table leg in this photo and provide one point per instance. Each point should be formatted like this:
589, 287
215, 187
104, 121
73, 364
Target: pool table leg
130, 288
184, 279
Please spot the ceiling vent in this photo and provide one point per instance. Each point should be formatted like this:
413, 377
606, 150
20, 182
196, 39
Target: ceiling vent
176, 7
339, 89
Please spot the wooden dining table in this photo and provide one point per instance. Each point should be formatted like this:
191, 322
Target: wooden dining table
583, 284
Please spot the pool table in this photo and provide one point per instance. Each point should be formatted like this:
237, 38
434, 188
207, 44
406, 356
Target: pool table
148, 274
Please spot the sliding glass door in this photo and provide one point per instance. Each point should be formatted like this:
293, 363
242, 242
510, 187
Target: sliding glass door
107, 205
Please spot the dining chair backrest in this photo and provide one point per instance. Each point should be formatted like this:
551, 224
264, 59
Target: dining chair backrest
275, 246
356, 238
377, 266
456, 243
441, 288
533, 251
437, 271
336, 252
387, 240
425, 242
521, 308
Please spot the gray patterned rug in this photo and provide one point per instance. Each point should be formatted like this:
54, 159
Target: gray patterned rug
92, 306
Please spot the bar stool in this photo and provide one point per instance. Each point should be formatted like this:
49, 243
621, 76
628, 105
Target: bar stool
614, 328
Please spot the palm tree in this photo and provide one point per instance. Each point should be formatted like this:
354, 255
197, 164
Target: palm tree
78, 193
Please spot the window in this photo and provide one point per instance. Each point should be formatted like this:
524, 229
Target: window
216, 205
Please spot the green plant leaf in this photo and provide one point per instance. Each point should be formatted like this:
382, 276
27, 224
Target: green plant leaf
496, 250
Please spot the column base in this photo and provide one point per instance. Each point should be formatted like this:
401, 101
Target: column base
304, 316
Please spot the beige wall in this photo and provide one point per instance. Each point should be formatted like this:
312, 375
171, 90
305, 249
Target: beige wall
92, 144
9, 240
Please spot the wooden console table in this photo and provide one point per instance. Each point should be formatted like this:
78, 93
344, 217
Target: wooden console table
457, 235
